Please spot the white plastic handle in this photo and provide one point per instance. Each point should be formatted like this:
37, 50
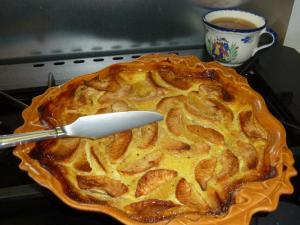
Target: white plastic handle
274, 39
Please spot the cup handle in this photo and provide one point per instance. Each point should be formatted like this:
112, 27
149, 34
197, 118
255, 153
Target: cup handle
274, 39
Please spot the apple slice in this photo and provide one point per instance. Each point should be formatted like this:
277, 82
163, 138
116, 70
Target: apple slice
208, 134
230, 165
188, 196
148, 135
112, 187
204, 171
119, 145
250, 127
152, 180
147, 162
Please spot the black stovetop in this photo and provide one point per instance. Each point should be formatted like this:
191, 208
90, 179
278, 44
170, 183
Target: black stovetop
273, 74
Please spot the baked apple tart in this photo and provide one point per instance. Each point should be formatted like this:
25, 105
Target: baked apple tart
217, 157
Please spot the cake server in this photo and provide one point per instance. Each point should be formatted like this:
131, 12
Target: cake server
93, 127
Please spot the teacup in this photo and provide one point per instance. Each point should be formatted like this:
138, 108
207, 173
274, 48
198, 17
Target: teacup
233, 46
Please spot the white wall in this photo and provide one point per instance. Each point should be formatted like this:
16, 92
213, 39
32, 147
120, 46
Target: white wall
292, 38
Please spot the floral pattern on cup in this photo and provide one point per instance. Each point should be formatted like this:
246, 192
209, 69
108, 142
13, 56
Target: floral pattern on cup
221, 50
247, 39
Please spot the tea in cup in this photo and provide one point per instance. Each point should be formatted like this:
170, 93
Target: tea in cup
232, 36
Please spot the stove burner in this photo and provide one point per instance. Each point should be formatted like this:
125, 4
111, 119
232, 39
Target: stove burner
4, 129
290, 125
51, 80
15, 102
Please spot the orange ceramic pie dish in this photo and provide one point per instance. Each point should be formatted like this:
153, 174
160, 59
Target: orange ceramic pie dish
218, 156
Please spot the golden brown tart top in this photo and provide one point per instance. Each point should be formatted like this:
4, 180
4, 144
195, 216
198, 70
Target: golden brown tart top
216, 137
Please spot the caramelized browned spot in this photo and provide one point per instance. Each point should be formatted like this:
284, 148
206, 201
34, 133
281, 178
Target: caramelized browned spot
250, 127
112, 187
230, 165
174, 121
152, 180
83, 166
204, 171
225, 194
60, 173
104, 110
248, 153
151, 210
81, 163
115, 69
226, 96
59, 149
208, 134
172, 79
119, 145
210, 74
174, 145
214, 200
148, 135
147, 162
217, 91
188, 196
50, 112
